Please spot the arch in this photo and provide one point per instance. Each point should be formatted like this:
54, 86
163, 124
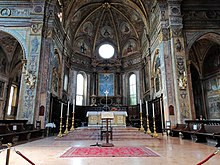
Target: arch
19, 37
212, 36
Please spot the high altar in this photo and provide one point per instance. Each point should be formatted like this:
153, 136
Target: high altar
94, 118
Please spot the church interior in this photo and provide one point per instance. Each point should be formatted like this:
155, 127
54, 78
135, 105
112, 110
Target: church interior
148, 68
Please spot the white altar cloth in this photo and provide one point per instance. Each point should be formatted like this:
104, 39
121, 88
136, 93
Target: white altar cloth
94, 118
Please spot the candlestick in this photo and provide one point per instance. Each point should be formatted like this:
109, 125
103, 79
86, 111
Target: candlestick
146, 108
67, 124
155, 135
148, 125
72, 127
141, 120
67, 119
60, 132
140, 107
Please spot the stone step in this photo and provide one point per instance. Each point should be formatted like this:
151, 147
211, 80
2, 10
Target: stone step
119, 133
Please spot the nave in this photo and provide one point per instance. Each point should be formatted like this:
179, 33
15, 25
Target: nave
171, 150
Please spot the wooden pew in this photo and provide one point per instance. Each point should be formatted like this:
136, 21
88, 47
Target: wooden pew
21, 134
208, 132
217, 137
17, 131
34, 133
190, 130
176, 130
6, 136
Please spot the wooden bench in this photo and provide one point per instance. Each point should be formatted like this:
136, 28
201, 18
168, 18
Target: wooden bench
217, 137
34, 133
18, 132
190, 130
6, 136
208, 132
176, 130
21, 134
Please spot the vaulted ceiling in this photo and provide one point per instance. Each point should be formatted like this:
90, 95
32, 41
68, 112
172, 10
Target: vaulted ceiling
122, 23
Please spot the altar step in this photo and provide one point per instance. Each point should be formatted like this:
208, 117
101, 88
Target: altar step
93, 133
128, 133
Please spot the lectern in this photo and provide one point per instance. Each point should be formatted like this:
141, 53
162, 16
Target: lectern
108, 116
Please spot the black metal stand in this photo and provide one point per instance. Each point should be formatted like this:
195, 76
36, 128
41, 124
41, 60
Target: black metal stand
107, 144
96, 144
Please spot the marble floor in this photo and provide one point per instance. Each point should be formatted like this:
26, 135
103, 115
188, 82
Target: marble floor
172, 151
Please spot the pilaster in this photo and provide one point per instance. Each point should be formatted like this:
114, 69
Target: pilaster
180, 76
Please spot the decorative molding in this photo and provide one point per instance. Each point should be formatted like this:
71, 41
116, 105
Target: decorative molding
36, 27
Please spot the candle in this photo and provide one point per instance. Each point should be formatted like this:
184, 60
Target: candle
68, 108
73, 105
146, 108
153, 109
140, 107
61, 113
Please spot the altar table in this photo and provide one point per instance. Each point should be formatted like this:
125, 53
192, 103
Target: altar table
94, 118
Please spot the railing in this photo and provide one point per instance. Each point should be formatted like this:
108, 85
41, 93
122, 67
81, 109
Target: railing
8, 151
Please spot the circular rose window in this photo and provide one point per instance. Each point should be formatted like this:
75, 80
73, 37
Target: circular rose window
106, 51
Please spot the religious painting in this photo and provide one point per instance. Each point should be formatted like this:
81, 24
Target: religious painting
213, 98
88, 28
130, 47
213, 106
106, 84
5, 12
55, 81
82, 46
3, 61
125, 28
146, 78
106, 32
1, 89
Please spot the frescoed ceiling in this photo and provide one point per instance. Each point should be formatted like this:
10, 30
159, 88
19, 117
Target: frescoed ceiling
122, 23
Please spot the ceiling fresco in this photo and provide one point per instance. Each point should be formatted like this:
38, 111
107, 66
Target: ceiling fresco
89, 23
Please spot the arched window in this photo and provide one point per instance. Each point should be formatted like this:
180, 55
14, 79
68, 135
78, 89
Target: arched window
65, 86
80, 89
12, 104
132, 89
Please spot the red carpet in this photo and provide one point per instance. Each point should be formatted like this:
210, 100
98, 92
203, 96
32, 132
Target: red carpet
109, 152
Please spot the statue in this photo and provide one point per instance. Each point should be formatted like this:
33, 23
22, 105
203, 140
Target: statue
30, 79
178, 45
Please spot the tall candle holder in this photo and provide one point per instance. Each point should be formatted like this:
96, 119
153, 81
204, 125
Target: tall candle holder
60, 133
141, 120
155, 133
67, 121
72, 127
148, 125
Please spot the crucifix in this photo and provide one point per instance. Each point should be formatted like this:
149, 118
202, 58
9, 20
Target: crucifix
106, 95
